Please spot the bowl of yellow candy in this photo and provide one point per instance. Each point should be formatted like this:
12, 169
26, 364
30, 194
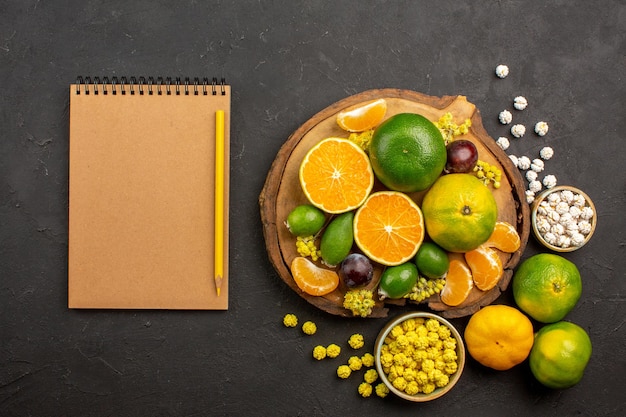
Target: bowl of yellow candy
419, 356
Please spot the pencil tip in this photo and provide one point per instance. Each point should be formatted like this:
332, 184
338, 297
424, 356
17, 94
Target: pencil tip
218, 284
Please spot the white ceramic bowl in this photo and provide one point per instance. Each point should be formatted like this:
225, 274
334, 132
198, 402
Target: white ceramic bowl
438, 392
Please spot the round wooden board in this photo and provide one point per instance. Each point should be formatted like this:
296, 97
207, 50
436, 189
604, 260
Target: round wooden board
282, 192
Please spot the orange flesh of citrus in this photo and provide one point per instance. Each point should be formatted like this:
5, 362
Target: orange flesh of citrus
362, 116
312, 279
389, 228
486, 267
336, 175
458, 283
504, 238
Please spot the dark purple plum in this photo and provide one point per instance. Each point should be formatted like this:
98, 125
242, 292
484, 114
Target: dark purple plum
462, 156
356, 270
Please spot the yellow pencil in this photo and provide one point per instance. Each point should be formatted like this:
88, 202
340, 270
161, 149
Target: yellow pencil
219, 200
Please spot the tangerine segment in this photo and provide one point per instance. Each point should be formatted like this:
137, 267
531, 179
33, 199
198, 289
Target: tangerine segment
458, 285
312, 279
362, 116
389, 227
504, 237
486, 267
336, 175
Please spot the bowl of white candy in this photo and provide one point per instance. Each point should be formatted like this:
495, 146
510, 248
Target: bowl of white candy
563, 218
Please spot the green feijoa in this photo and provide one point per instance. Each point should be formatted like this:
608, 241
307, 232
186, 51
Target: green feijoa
397, 281
337, 239
431, 260
305, 220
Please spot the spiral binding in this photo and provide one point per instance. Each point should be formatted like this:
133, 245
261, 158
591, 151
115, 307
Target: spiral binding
150, 86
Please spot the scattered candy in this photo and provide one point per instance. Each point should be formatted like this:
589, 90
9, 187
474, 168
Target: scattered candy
537, 165
520, 102
549, 181
368, 361
531, 175
534, 186
344, 371
365, 389
503, 143
309, 328
382, 390
505, 117
502, 71
541, 128
354, 362
518, 130
319, 352
546, 153
333, 350
370, 376
290, 320
356, 341
523, 163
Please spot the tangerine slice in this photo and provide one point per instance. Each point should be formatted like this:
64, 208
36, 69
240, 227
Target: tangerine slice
312, 279
362, 116
458, 285
486, 267
504, 237
336, 175
389, 227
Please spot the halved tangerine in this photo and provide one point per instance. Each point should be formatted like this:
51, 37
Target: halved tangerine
336, 175
389, 227
504, 237
362, 116
486, 267
313, 279
458, 285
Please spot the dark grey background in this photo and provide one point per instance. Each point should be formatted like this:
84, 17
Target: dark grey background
287, 60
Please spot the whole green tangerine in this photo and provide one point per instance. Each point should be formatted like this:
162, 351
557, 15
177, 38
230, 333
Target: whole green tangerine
407, 152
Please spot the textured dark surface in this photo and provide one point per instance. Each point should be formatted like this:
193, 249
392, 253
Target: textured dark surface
286, 60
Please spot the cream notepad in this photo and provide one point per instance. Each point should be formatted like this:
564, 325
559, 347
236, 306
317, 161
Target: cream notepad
141, 194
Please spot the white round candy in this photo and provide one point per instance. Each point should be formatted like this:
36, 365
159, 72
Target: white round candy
541, 128
534, 186
505, 117
503, 143
523, 162
537, 165
549, 181
577, 239
518, 130
520, 102
586, 213
502, 71
546, 153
